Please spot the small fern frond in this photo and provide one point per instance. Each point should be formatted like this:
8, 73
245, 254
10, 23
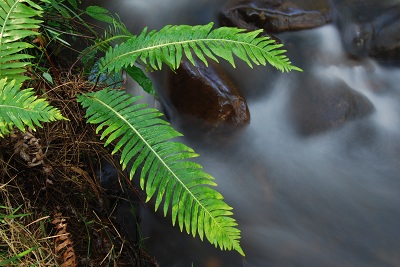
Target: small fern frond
172, 42
115, 32
166, 172
5, 128
17, 20
22, 107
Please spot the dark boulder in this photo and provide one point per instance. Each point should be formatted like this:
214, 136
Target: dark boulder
385, 44
369, 29
205, 98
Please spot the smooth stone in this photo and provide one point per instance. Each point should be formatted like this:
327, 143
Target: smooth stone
205, 98
369, 29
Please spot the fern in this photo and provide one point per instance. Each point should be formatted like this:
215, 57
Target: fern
17, 20
22, 107
19, 108
172, 42
116, 31
166, 171
116, 28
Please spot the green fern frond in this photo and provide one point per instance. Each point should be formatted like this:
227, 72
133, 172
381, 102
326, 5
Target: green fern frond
115, 32
166, 171
116, 29
172, 42
17, 19
22, 107
5, 128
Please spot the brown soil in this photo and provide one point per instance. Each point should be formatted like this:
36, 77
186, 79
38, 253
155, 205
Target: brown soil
51, 172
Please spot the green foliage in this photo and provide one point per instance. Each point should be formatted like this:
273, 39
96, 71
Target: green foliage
15, 258
22, 108
166, 170
17, 20
172, 42
100, 14
8, 222
116, 30
166, 173
19, 107
141, 78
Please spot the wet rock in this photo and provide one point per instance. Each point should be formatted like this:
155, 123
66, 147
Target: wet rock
385, 44
205, 97
356, 39
369, 29
317, 106
276, 16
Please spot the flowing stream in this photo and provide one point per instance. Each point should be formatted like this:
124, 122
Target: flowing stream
329, 199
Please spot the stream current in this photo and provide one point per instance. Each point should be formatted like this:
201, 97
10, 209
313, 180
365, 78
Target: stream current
329, 199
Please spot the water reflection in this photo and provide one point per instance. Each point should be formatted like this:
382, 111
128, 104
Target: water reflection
330, 199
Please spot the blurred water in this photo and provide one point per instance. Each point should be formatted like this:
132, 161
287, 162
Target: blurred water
330, 199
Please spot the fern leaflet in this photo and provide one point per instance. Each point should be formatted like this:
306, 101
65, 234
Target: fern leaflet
166, 170
17, 21
22, 107
172, 42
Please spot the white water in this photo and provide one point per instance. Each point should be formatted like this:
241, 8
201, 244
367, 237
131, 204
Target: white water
331, 199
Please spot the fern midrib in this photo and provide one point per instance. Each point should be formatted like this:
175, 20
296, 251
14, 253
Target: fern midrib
161, 160
5, 22
24, 109
180, 43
